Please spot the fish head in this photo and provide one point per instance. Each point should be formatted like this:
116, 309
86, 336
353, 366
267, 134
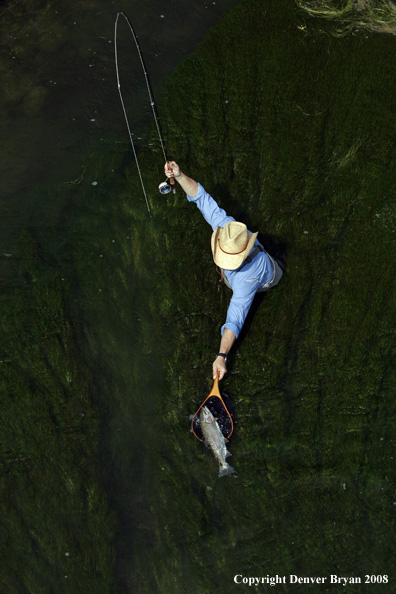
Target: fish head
206, 416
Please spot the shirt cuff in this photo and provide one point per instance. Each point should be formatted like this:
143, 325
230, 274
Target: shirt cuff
197, 195
233, 327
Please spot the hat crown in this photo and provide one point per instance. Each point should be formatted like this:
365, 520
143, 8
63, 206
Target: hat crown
231, 244
234, 238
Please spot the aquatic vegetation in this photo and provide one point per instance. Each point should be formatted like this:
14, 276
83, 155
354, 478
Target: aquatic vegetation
350, 15
52, 505
296, 141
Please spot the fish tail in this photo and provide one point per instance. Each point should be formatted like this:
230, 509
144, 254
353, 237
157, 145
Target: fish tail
226, 470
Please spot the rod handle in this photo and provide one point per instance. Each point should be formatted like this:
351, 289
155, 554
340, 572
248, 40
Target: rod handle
172, 180
172, 183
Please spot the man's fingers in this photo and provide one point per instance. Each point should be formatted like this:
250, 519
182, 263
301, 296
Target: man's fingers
218, 372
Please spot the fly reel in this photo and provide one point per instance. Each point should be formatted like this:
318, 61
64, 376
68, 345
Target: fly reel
165, 187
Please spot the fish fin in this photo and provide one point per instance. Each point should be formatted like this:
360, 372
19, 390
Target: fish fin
228, 454
226, 471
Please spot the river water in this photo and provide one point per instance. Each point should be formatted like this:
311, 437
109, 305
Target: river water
61, 122
111, 315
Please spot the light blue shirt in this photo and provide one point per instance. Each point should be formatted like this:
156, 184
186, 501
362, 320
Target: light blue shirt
244, 281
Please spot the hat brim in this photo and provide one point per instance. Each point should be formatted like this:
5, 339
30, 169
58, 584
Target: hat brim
229, 261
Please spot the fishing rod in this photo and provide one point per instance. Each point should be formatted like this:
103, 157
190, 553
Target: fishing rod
166, 186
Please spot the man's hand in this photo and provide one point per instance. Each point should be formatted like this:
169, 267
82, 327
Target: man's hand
219, 368
190, 186
172, 169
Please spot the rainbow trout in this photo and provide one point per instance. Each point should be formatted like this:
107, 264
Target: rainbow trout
215, 440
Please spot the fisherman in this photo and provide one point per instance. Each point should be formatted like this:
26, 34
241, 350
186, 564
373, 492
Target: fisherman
246, 267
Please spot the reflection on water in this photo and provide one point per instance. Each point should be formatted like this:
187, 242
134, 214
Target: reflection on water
111, 318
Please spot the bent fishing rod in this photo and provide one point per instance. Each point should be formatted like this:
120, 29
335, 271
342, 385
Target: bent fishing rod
165, 186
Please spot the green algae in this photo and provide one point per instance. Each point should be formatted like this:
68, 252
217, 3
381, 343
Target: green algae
354, 15
294, 135
53, 507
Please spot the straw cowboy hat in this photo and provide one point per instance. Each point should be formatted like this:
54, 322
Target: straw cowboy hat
231, 244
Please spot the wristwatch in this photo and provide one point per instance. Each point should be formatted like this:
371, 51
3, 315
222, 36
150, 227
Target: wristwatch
222, 355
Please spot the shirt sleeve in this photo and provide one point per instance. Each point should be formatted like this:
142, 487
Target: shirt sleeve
212, 213
238, 309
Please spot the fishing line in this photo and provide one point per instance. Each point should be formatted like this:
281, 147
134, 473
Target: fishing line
164, 187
